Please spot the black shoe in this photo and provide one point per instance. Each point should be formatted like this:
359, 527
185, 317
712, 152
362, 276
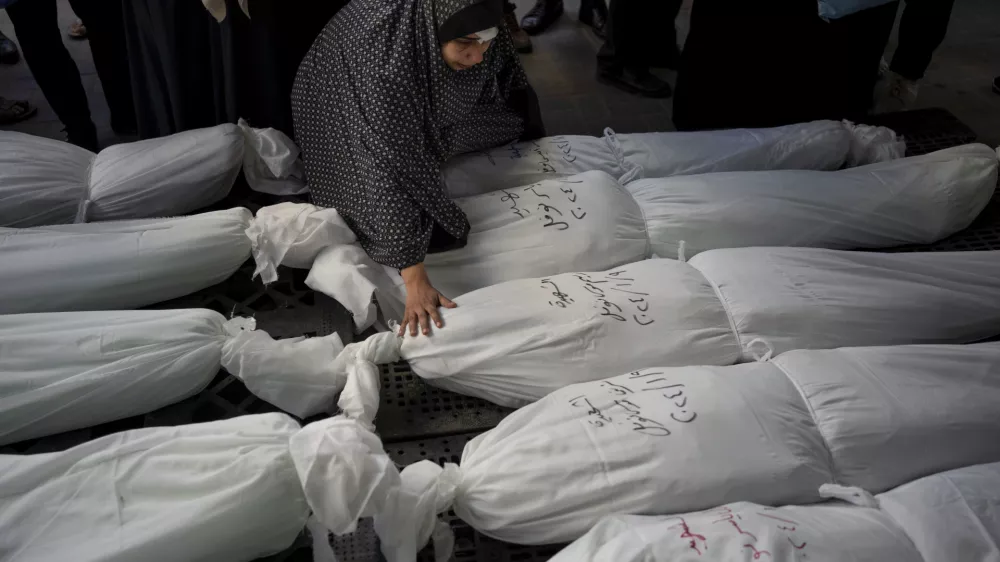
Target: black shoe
996, 85
641, 82
8, 51
595, 14
541, 16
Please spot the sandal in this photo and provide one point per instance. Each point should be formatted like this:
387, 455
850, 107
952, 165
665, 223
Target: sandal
12, 111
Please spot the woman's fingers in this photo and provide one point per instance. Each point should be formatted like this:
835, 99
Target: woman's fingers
424, 322
413, 321
446, 302
435, 315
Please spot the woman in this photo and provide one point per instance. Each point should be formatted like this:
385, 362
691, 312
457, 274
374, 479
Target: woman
388, 92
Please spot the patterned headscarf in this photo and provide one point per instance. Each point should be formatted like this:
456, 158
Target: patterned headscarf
377, 112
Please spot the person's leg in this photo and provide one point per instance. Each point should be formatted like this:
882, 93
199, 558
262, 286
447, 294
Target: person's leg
522, 41
53, 69
106, 34
632, 40
922, 28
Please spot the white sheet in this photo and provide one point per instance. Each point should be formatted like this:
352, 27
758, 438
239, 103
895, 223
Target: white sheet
224, 490
119, 265
772, 295
915, 200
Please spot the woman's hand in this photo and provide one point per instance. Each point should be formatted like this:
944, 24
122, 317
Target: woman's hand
422, 301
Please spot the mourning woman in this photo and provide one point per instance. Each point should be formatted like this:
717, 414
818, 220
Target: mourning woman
390, 91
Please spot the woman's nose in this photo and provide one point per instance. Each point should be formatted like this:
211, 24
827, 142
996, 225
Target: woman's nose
477, 53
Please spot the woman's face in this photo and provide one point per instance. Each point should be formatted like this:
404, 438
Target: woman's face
464, 52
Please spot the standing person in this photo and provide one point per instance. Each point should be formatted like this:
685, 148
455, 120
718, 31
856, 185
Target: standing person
522, 42
640, 35
390, 91
922, 28
544, 13
37, 28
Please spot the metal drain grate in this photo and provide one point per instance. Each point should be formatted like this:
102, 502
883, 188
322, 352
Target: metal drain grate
926, 130
409, 408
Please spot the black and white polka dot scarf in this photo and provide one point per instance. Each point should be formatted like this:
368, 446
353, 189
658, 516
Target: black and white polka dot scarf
377, 112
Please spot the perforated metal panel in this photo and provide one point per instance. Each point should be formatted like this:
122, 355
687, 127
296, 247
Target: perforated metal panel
926, 130
409, 408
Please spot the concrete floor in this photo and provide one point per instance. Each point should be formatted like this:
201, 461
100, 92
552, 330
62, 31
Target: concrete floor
563, 66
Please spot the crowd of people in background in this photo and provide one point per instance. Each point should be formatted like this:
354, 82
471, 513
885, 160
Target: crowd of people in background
155, 84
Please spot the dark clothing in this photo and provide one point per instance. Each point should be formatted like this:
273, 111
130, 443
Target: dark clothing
378, 111
189, 71
640, 35
55, 72
922, 28
762, 64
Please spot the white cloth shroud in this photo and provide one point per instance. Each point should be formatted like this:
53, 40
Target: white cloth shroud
817, 145
940, 518
780, 299
953, 515
915, 200
225, 490
742, 532
514, 342
653, 441
910, 200
119, 264
129, 264
584, 223
271, 162
52, 182
67, 370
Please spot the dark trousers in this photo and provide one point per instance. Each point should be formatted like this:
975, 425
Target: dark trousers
640, 35
763, 64
922, 28
55, 72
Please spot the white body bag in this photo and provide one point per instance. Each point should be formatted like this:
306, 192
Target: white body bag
67, 370
49, 182
818, 145
515, 342
669, 440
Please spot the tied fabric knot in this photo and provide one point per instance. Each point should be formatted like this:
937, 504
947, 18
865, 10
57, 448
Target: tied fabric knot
760, 350
358, 363
849, 494
404, 527
631, 170
239, 324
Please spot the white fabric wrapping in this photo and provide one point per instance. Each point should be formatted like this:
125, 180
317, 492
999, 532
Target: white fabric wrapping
44, 180
291, 373
652, 441
522, 163
817, 145
914, 200
933, 410
586, 222
164, 177
781, 299
66, 370
951, 516
225, 490
51, 182
271, 162
292, 234
515, 342
744, 532
655, 441
118, 265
